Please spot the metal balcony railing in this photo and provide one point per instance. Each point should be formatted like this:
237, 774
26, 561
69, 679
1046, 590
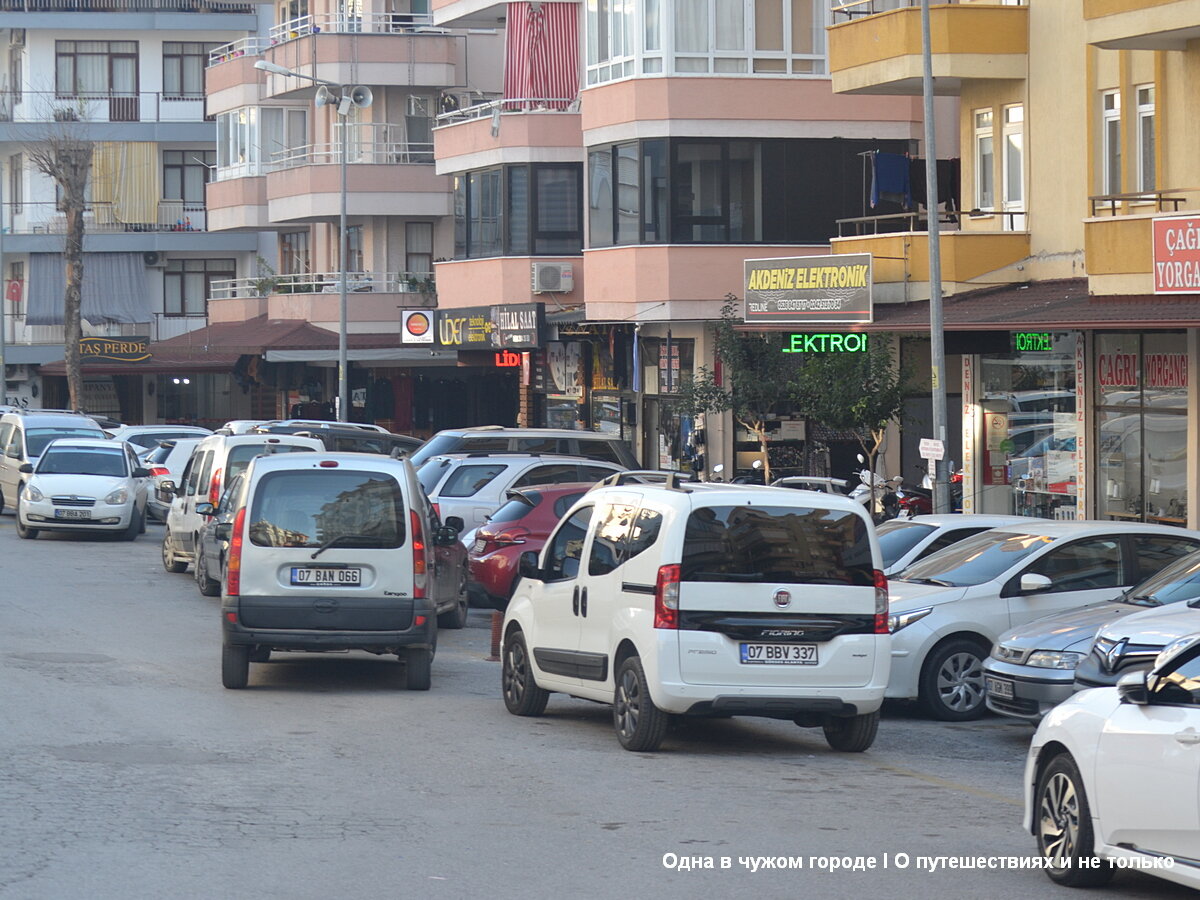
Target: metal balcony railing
160, 327
367, 23
376, 143
323, 283
193, 6
916, 221
1112, 203
45, 217
100, 106
247, 46
505, 105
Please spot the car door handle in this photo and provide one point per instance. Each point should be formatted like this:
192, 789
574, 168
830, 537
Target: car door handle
575, 600
1188, 737
583, 601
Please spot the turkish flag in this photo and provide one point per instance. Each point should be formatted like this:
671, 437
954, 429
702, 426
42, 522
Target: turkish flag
14, 290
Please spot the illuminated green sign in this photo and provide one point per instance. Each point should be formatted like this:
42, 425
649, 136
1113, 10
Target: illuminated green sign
1032, 342
826, 343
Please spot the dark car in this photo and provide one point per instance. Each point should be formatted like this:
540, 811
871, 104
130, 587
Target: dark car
210, 547
523, 523
346, 439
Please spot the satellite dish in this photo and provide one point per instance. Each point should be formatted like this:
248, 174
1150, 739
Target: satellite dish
324, 97
361, 96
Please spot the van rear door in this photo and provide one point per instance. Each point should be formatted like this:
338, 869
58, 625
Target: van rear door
774, 594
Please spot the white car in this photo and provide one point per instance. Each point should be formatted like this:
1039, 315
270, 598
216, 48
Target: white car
949, 609
147, 437
471, 487
166, 462
84, 484
1113, 776
904, 541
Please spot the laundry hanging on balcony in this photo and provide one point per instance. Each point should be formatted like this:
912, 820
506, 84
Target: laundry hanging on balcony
114, 288
126, 183
541, 55
890, 179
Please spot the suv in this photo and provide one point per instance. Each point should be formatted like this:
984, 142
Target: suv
334, 551
23, 437
213, 464
340, 438
496, 439
704, 600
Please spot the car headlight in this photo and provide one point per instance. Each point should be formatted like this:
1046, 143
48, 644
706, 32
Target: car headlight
1053, 659
117, 497
1007, 653
896, 621
33, 493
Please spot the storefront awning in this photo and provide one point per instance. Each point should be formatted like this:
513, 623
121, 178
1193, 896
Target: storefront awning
379, 354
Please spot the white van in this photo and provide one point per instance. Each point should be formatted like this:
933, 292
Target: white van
704, 600
334, 551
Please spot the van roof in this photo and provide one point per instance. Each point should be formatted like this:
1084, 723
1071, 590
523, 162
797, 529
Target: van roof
286, 461
531, 432
713, 493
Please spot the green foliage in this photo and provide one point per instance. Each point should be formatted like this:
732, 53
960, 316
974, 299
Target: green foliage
860, 392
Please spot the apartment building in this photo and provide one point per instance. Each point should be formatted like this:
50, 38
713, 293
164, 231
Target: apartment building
127, 78
1072, 267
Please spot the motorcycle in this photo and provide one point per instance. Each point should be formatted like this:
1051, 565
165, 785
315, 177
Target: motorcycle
878, 494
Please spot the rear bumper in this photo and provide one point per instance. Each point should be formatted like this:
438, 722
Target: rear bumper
776, 707
417, 637
768, 702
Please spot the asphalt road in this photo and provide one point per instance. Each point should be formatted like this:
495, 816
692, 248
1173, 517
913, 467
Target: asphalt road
127, 771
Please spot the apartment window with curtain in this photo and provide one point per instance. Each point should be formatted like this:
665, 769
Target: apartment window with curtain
985, 174
293, 253
418, 248
183, 69
1147, 176
16, 184
1013, 167
185, 172
610, 45
186, 284
90, 68
1110, 142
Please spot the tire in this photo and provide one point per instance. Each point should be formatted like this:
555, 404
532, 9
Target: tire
144, 516
522, 696
457, 617
170, 563
23, 530
135, 527
1063, 825
209, 587
1, 502
952, 686
640, 725
852, 734
235, 666
418, 669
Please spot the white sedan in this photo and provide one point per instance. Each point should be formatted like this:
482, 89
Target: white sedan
1112, 779
84, 484
904, 541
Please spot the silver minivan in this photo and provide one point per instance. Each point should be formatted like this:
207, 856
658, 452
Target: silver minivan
23, 437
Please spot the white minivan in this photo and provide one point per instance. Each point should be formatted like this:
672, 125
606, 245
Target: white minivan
704, 600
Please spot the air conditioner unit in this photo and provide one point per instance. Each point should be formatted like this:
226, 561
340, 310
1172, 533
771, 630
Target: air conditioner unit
16, 37
557, 278
154, 260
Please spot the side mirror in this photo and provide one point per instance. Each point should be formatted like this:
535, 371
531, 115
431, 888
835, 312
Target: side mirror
528, 566
205, 509
223, 531
445, 536
25, 468
1033, 583
167, 487
862, 460
1132, 688
455, 522
141, 472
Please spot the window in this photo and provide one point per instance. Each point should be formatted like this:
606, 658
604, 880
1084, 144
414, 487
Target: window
239, 458
293, 253
485, 221
354, 248
1155, 551
1146, 173
16, 183
418, 126
307, 509
1082, 566
643, 532
610, 535
519, 210
566, 547
1110, 142
16, 76
559, 473
1181, 685
90, 68
249, 138
610, 47
557, 225
418, 248
1014, 165
985, 176
467, 481
185, 172
187, 284
183, 69
699, 197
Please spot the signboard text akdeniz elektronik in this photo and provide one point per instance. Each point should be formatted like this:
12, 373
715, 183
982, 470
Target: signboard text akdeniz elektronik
810, 290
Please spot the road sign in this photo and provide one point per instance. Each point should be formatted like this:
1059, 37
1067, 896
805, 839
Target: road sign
931, 449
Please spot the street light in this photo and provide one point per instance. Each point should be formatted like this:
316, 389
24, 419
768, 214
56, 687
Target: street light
342, 98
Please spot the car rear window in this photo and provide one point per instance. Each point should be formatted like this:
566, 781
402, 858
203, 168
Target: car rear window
897, 538
788, 544
599, 449
240, 456
342, 508
160, 453
36, 439
81, 461
467, 481
518, 507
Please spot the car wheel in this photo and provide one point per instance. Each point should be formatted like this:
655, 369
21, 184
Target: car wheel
142, 520
457, 617
640, 725
1064, 826
209, 587
952, 686
235, 666
418, 669
852, 734
23, 530
522, 696
135, 527
170, 563
1, 502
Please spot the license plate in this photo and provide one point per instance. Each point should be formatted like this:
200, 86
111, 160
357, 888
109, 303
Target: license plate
72, 514
779, 654
311, 576
998, 687
478, 546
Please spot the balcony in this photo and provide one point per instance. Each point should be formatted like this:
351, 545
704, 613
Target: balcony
160, 327
102, 218
470, 13
1119, 238
1141, 24
116, 16
502, 279
508, 131
30, 116
879, 52
237, 203
110, 6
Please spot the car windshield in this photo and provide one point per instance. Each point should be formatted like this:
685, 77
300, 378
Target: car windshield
1178, 582
83, 461
431, 472
897, 537
336, 507
976, 559
240, 456
36, 439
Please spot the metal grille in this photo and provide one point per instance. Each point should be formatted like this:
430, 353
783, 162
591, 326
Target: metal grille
87, 502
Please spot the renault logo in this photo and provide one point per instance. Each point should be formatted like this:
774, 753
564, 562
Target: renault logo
1112, 655
782, 599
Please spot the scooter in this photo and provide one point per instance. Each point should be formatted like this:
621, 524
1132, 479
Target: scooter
886, 504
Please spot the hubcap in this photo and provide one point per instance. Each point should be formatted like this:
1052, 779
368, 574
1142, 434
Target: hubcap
628, 703
1058, 820
514, 672
960, 682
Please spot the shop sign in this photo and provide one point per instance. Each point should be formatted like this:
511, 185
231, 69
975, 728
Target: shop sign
826, 343
416, 326
1163, 370
1032, 342
809, 289
1177, 255
122, 349
509, 327
506, 359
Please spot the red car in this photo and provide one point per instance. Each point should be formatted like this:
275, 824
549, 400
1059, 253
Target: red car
523, 523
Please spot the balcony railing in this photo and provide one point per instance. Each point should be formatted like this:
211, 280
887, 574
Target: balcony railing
323, 283
851, 9
46, 217
96, 106
1112, 203
914, 221
505, 105
377, 143
368, 23
192, 6
160, 327
247, 46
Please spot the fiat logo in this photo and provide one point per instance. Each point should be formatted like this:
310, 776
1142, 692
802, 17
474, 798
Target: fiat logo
782, 599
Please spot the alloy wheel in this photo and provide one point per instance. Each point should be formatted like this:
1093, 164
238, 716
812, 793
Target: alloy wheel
516, 672
628, 703
1058, 820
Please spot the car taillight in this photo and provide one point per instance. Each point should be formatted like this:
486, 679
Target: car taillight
156, 471
233, 565
881, 603
666, 597
437, 511
214, 488
418, 548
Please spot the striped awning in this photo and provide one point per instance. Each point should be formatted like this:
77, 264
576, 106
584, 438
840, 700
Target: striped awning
541, 55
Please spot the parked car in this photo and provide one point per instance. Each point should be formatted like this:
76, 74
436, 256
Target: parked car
338, 438
23, 437
948, 609
1134, 642
813, 483
904, 541
82, 485
212, 543
522, 524
240, 426
335, 551
306, 424
690, 599
146, 437
166, 462
473, 486
1112, 776
1032, 667
214, 462
496, 439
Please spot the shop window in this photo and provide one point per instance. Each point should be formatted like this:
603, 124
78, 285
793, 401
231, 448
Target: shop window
675, 363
